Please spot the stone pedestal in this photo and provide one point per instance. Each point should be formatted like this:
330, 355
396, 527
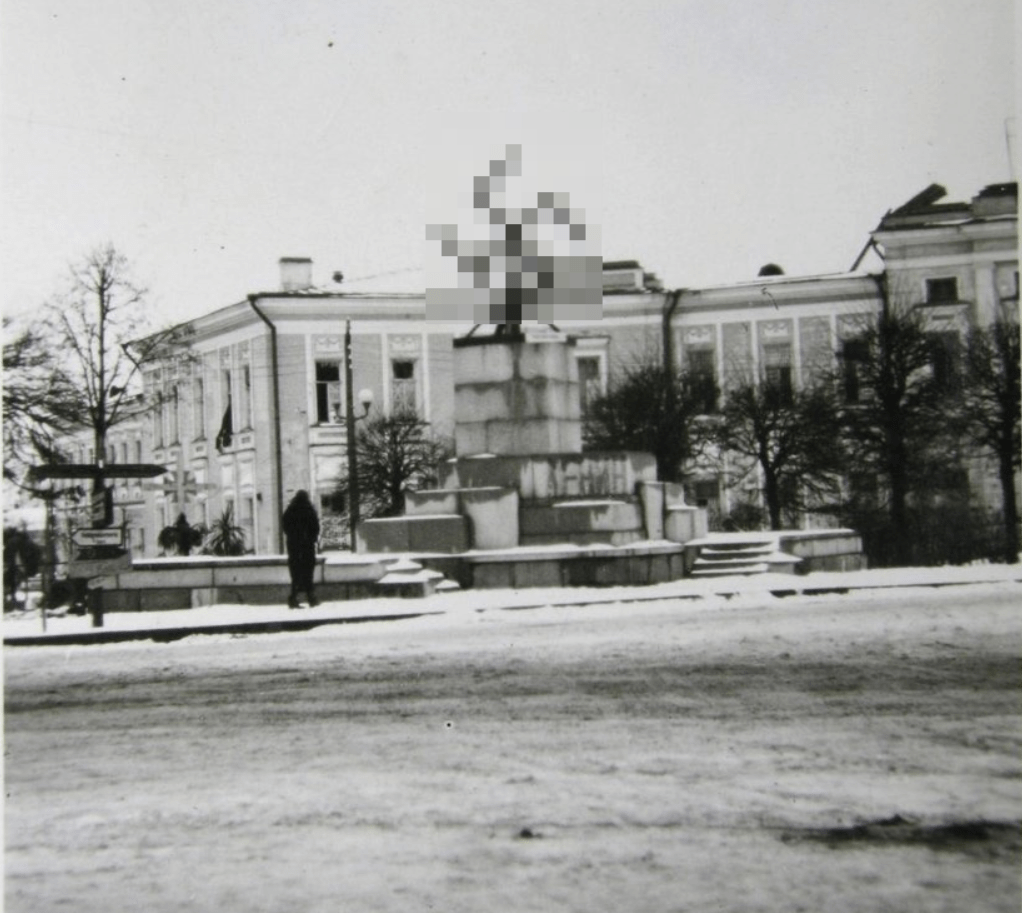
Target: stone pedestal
521, 504
516, 396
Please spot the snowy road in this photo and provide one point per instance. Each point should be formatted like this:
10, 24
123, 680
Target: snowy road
662, 757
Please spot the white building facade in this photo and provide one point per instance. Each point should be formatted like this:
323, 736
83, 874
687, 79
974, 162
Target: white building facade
269, 370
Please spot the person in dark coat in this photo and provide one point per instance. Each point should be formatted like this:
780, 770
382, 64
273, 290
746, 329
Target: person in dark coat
301, 530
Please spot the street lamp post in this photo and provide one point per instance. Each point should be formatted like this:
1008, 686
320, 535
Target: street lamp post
365, 398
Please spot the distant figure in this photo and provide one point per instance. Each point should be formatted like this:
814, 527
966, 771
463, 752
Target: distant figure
301, 529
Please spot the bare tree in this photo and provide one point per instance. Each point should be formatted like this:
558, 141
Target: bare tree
651, 409
36, 399
394, 452
102, 310
992, 405
899, 420
791, 437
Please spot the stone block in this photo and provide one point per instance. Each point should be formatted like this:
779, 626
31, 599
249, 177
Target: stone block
483, 364
684, 523
267, 594
181, 576
203, 596
437, 501
492, 515
546, 476
480, 402
119, 600
255, 575
156, 599
571, 518
547, 398
441, 533
386, 534
495, 576
480, 472
469, 440
674, 494
535, 480
447, 474
655, 570
544, 360
349, 572
527, 574
651, 496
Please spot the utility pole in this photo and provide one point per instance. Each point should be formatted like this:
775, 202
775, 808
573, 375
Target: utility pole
349, 410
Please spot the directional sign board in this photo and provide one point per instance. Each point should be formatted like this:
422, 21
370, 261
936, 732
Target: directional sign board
87, 537
94, 470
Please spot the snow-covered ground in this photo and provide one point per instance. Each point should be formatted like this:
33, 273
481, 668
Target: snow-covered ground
601, 751
29, 623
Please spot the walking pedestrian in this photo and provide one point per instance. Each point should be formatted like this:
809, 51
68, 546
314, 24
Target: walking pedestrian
301, 529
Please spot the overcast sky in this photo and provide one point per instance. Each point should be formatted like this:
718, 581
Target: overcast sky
208, 138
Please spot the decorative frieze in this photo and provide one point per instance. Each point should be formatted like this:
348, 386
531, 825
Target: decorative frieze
404, 344
696, 336
328, 345
775, 330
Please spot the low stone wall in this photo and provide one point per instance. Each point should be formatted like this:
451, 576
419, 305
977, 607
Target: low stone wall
824, 549
184, 583
818, 550
610, 521
639, 564
556, 476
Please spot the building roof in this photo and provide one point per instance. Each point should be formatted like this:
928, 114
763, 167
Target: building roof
993, 202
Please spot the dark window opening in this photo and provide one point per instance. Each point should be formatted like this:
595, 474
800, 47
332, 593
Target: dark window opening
942, 291
945, 357
854, 353
328, 391
704, 492
777, 377
590, 383
404, 393
703, 377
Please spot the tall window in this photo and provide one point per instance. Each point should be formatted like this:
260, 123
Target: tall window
226, 389
245, 398
942, 290
328, 392
404, 394
225, 386
590, 382
172, 415
854, 352
945, 358
198, 408
777, 373
156, 417
703, 377
246, 520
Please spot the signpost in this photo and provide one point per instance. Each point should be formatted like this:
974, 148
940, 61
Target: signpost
91, 537
101, 548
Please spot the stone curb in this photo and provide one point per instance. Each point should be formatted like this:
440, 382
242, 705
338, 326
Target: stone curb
168, 635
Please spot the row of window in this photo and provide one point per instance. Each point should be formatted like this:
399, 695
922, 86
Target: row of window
404, 390
122, 452
779, 380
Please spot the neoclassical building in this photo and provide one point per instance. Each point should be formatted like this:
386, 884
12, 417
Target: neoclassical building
253, 410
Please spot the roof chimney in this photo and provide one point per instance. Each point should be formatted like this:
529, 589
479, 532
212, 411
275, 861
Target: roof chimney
295, 274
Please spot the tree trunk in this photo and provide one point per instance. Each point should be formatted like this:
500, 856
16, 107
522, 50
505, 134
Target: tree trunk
1006, 470
899, 517
772, 493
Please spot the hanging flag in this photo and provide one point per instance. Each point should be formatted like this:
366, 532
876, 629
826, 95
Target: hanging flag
223, 438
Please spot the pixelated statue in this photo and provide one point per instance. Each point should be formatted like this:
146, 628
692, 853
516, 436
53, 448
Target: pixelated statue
535, 264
